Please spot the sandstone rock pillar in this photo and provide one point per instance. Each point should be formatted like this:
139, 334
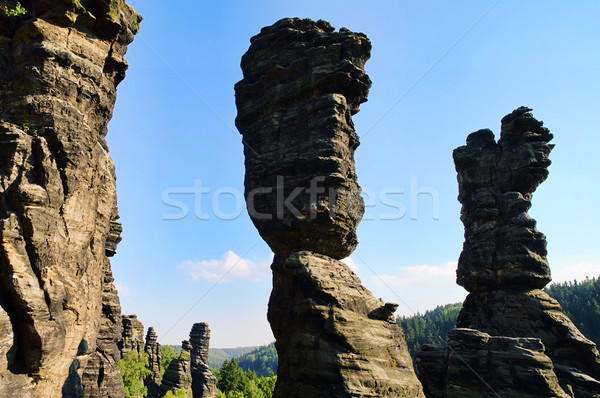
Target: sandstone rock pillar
60, 64
177, 375
503, 266
152, 349
204, 383
302, 83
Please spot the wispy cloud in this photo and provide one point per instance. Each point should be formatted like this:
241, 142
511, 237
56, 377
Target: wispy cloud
122, 289
420, 287
350, 263
230, 267
419, 274
579, 271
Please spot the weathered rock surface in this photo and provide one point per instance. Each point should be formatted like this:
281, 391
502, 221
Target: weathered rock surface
333, 337
178, 374
302, 83
503, 265
132, 336
59, 67
480, 365
204, 383
152, 349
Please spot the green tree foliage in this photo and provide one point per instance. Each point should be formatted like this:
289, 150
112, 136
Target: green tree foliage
177, 394
581, 302
13, 12
233, 382
262, 361
134, 369
167, 354
429, 328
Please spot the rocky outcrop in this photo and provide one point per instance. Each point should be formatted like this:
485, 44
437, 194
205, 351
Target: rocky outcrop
204, 383
178, 374
59, 67
152, 349
503, 266
132, 336
302, 83
480, 365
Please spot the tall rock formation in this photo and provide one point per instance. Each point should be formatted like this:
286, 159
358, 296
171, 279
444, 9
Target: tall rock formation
178, 374
302, 83
204, 383
152, 349
503, 266
60, 64
132, 336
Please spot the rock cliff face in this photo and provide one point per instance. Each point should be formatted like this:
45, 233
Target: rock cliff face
59, 312
503, 265
132, 336
302, 83
204, 383
178, 374
152, 349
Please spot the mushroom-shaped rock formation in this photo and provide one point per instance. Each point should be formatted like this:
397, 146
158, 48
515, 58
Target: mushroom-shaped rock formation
302, 83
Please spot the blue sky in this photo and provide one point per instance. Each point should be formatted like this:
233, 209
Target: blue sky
440, 70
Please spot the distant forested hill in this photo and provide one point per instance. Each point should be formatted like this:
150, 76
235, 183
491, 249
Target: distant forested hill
429, 328
579, 300
262, 361
216, 356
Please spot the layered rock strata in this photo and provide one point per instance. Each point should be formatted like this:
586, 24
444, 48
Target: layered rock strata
178, 374
302, 83
132, 336
503, 266
152, 349
60, 64
204, 382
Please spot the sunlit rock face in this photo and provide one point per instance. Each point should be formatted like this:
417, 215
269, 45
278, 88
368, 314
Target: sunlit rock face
510, 328
60, 64
302, 83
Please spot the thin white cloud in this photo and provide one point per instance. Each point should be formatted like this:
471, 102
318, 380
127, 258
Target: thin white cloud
578, 271
350, 263
230, 267
419, 288
122, 289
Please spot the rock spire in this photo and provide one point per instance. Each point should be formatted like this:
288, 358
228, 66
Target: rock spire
508, 325
204, 383
302, 83
152, 349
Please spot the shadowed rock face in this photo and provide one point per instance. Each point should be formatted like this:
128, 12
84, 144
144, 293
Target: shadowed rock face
59, 318
204, 383
503, 265
302, 83
132, 335
503, 248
